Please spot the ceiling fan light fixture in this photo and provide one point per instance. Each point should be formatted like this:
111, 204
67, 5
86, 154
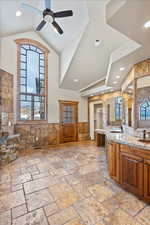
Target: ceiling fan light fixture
18, 13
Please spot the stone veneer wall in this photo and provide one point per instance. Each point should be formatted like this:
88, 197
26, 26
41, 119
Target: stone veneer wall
46, 133
6, 102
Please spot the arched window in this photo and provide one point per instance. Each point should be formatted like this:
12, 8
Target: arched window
145, 111
32, 80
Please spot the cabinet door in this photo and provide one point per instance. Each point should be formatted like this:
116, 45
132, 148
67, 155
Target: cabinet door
113, 161
147, 180
132, 173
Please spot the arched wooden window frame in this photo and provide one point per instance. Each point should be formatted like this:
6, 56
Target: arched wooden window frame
20, 42
143, 107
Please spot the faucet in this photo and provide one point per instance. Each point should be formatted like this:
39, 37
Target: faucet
144, 134
121, 127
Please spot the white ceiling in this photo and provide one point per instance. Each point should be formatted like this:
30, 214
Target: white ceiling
10, 24
130, 20
119, 26
90, 63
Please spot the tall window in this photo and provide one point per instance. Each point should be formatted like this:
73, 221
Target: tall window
32, 82
145, 111
118, 108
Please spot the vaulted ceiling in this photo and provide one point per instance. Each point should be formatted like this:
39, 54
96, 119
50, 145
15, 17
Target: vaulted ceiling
117, 24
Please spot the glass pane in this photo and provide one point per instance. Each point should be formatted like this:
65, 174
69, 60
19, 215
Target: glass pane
23, 73
23, 66
41, 69
23, 80
41, 62
23, 88
25, 46
23, 58
42, 76
32, 47
148, 113
23, 51
39, 50
25, 111
41, 56
32, 72
39, 111
22, 97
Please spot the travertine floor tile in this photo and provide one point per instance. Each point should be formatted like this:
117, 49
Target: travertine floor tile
76, 221
34, 218
69, 199
90, 210
51, 209
19, 211
38, 199
21, 179
61, 190
62, 217
5, 218
66, 185
100, 192
119, 217
129, 203
144, 216
37, 185
11, 200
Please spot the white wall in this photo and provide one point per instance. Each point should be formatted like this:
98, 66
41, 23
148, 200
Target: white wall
91, 116
8, 62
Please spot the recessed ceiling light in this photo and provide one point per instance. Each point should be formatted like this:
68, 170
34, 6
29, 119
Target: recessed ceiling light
76, 80
122, 68
97, 43
115, 82
18, 13
117, 77
147, 24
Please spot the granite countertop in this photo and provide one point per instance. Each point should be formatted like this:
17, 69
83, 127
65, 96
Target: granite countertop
124, 139
7, 138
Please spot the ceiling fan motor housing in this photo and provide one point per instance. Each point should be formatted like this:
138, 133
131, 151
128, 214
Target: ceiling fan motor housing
48, 15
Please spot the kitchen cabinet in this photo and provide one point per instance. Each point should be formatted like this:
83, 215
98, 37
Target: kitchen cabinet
130, 167
113, 161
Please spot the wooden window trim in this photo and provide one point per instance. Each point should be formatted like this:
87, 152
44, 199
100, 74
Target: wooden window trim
20, 42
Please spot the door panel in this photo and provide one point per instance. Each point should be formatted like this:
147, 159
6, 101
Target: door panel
132, 173
68, 121
113, 161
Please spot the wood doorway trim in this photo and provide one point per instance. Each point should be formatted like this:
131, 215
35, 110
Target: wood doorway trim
62, 124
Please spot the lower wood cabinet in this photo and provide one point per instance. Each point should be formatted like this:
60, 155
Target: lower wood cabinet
131, 168
113, 161
147, 180
131, 173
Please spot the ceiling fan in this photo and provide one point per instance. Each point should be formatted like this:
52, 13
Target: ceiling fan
48, 15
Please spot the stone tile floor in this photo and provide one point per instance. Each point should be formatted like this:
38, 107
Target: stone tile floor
66, 185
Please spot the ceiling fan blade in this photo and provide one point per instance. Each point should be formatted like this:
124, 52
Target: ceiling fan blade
63, 14
31, 8
47, 4
41, 25
57, 28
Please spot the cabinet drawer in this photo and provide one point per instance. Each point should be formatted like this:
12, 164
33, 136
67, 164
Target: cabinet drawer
136, 151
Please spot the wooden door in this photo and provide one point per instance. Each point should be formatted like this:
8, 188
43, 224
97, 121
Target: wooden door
132, 173
68, 121
113, 160
147, 180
